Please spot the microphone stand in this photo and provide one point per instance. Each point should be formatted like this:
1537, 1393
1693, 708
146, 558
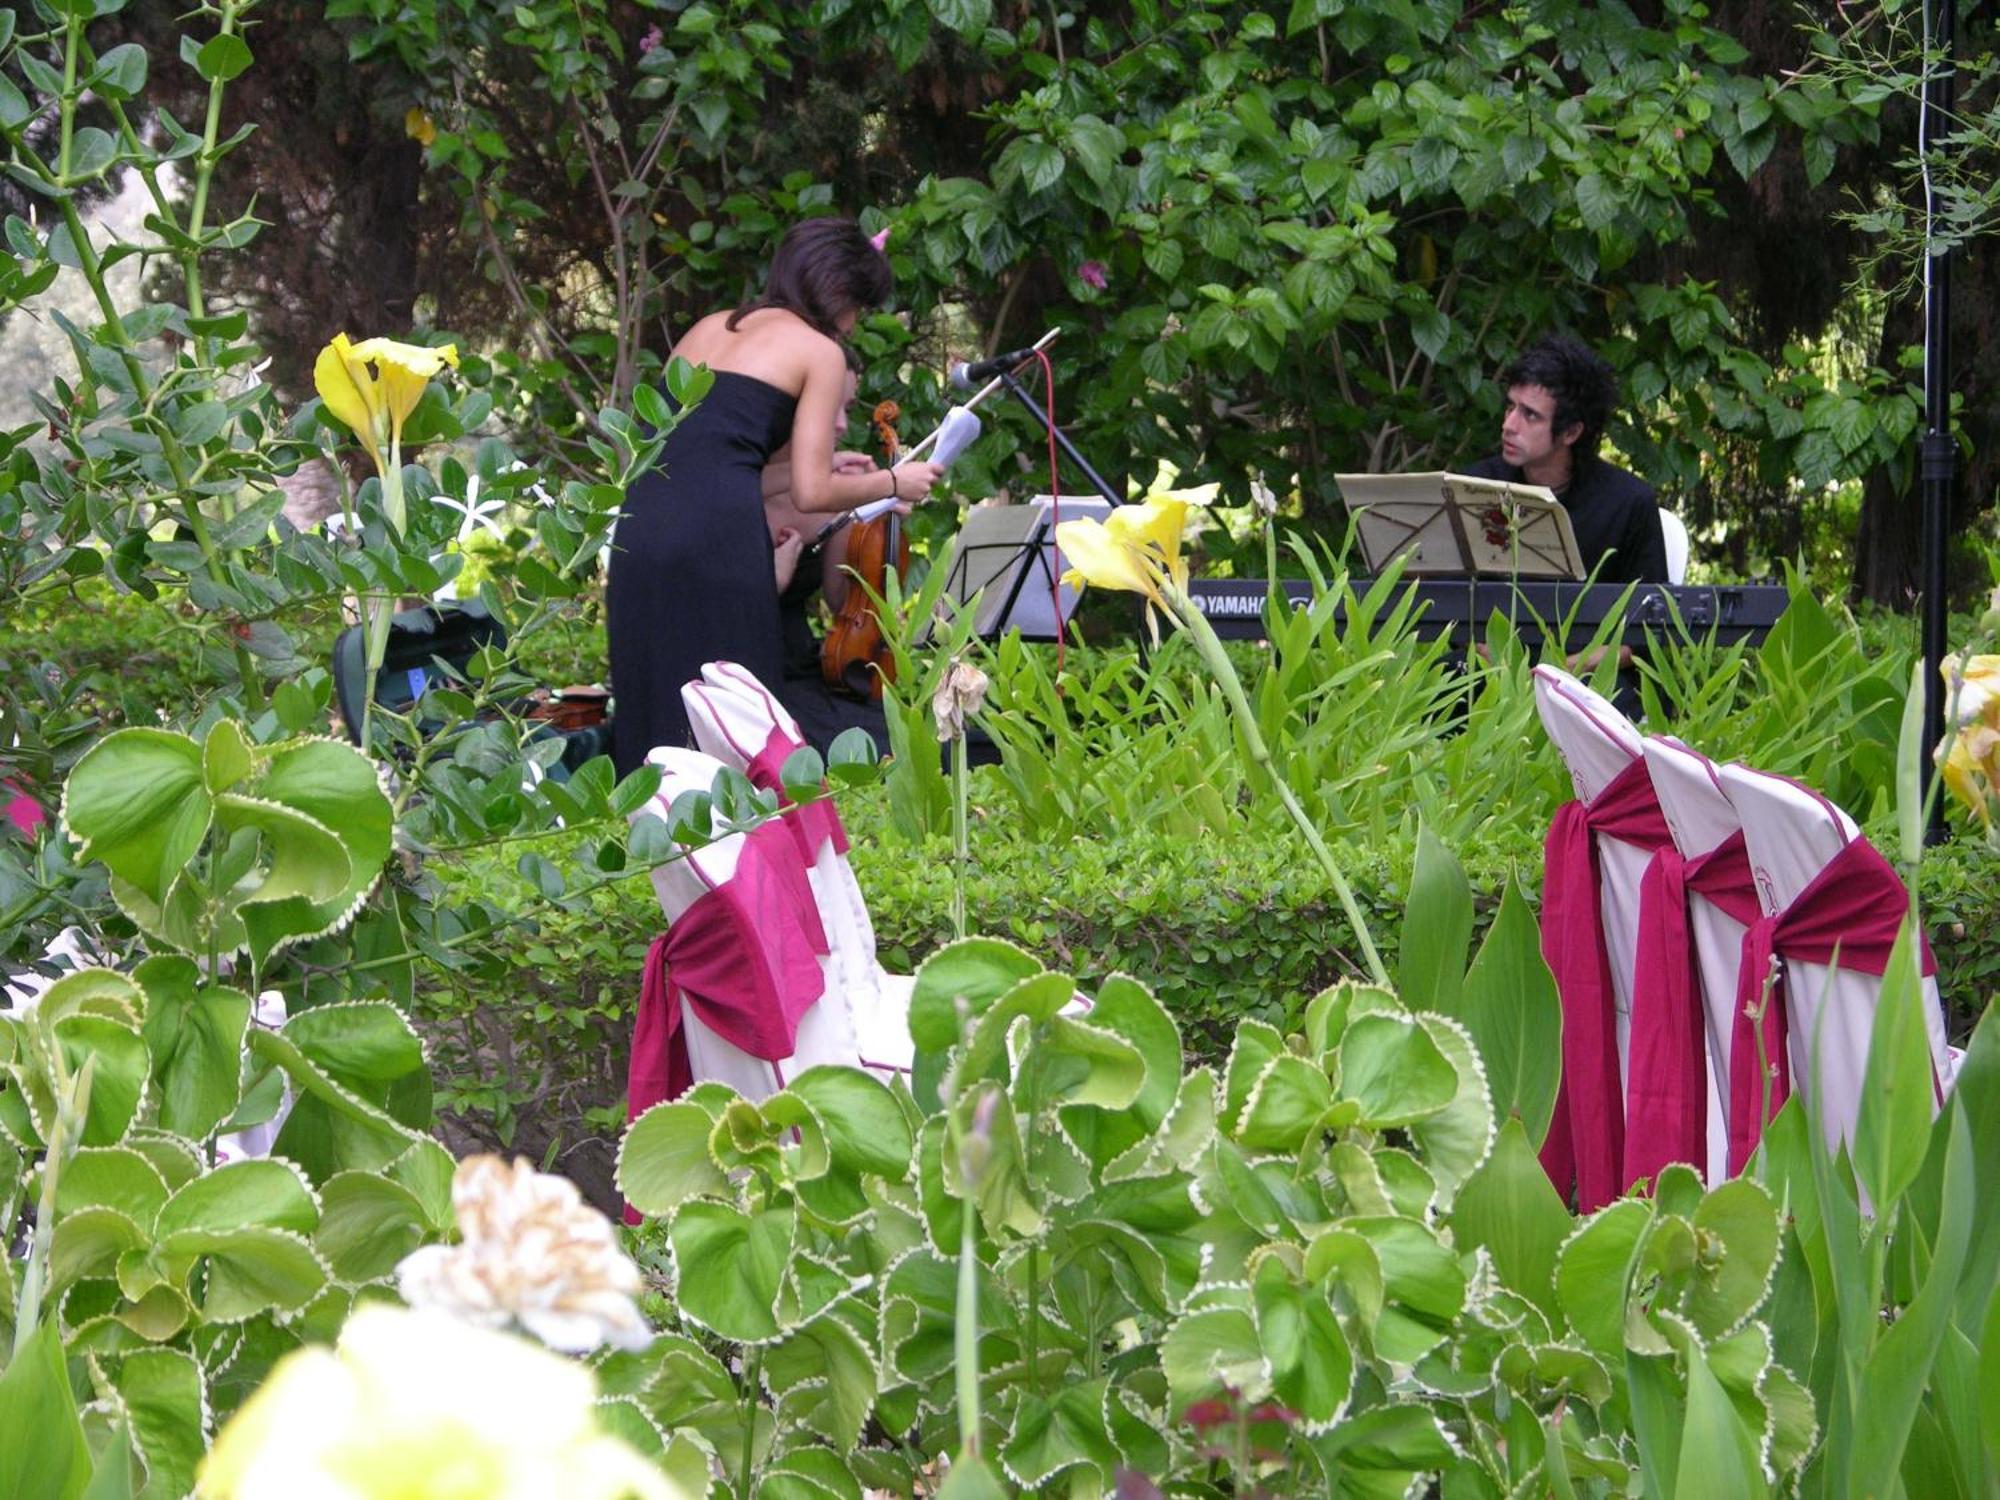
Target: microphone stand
1097, 481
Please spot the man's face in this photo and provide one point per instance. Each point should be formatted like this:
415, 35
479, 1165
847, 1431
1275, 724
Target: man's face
1528, 438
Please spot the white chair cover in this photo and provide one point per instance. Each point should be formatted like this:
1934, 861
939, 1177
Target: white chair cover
825, 1033
1791, 832
1674, 530
1596, 743
1700, 817
733, 717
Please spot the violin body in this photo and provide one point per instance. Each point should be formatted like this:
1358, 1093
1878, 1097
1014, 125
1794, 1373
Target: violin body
854, 654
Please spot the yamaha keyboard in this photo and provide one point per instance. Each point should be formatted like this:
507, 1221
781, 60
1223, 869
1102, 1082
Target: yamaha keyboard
1460, 607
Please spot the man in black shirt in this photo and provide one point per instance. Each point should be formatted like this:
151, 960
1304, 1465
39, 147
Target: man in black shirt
1559, 396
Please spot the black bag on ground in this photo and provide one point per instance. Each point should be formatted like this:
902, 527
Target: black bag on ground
423, 643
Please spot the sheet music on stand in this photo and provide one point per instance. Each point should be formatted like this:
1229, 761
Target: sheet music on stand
1460, 526
1006, 556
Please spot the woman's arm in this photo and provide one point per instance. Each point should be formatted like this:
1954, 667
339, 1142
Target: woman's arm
815, 487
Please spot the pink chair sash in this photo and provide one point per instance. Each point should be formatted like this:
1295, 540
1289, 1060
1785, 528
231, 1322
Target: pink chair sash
813, 824
745, 957
1586, 1142
1666, 1102
1848, 916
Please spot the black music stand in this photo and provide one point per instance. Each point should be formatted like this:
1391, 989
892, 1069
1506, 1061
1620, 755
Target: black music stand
1006, 558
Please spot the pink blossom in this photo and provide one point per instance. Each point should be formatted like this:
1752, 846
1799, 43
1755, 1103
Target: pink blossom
1091, 274
651, 39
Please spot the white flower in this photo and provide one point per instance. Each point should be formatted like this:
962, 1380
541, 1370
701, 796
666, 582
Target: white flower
418, 1406
532, 1252
474, 512
961, 691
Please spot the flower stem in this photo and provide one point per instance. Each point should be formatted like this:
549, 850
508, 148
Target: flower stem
965, 1332
751, 1370
1223, 671
72, 1104
960, 779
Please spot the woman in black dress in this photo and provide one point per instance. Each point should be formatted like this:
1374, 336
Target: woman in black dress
691, 566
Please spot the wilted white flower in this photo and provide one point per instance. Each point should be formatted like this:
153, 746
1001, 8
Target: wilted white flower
1263, 497
533, 1252
961, 691
417, 1406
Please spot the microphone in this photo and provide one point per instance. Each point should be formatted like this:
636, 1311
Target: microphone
965, 376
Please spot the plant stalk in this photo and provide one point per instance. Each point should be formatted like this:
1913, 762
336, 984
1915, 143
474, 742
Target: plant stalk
1217, 660
960, 845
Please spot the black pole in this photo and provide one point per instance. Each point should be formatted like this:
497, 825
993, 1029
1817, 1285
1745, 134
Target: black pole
1097, 480
1940, 456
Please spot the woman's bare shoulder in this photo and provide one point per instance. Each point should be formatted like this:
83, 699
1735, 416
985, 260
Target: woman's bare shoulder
771, 343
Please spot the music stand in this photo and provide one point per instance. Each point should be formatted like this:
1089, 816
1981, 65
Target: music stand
1461, 526
1006, 557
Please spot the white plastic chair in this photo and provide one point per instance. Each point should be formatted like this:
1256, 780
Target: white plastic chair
825, 1032
1700, 817
1596, 743
733, 717
1791, 833
1675, 531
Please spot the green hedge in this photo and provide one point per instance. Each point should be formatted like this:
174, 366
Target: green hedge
531, 1057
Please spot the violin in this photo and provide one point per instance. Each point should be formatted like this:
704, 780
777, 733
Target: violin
854, 647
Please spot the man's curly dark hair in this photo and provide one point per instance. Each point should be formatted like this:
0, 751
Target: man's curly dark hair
1582, 381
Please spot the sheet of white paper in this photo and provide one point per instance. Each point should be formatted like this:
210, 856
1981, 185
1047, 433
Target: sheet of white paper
957, 432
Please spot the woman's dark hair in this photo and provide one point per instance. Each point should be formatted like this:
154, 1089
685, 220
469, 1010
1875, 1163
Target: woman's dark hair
823, 268
1582, 381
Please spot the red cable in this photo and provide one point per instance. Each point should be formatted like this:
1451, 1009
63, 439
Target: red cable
1055, 506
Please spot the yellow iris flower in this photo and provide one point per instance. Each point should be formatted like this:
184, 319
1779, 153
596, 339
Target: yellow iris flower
375, 404
1138, 547
1972, 769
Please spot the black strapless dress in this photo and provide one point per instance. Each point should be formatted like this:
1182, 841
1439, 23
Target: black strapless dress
691, 571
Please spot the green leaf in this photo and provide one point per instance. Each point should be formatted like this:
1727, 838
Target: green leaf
1594, 1271
665, 1159
1041, 166
1893, 1127
1312, 1368
166, 1401
121, 72
136, 801
1063, 1431
42, 1452
367, 1224
335, 786
260, 1192
731, 1268
1597, 201
250, 1271
824, 1379
1210, 1352
1437, 927
1898, 1369
114, 1177
866, 1130
1510, 1207
194, 1033
1391, 1067
1286, 1104
1718, 1454
1457, 1138
222, 58
1515, 1016
956, 985
118, 1074
1738, 1223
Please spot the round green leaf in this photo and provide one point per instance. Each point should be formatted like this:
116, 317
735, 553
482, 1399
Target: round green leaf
136, 801
955, 985
1392, 1068
665, 1159
732, 1268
